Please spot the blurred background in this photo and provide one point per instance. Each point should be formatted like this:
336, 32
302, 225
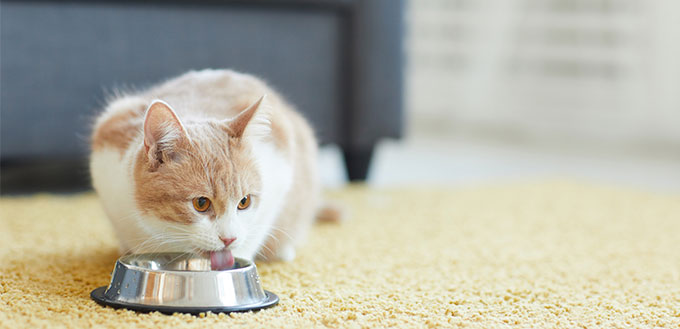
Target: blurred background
533, 89
418, 92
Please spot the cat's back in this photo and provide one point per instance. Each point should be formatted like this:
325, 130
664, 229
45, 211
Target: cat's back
218, 94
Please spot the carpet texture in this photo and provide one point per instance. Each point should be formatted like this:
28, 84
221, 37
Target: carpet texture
532, 255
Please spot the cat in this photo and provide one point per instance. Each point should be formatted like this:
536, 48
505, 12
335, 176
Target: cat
213, 162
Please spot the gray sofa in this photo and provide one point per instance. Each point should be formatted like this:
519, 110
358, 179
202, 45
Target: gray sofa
339, 62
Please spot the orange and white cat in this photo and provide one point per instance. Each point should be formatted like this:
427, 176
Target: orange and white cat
212, 162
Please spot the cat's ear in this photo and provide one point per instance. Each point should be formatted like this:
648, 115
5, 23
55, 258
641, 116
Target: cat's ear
251, 122
163, 131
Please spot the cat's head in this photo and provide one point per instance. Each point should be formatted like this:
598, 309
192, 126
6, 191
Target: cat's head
197, 183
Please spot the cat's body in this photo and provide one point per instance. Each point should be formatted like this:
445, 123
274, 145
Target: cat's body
214, 167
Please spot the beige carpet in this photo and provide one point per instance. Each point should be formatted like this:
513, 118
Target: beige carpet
534, 255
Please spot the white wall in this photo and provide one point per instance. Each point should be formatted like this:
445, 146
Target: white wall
567, 70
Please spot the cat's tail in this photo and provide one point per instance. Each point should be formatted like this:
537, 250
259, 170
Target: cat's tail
331, 212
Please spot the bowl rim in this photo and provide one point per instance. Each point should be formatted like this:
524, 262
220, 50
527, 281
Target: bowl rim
98, 296
122, 260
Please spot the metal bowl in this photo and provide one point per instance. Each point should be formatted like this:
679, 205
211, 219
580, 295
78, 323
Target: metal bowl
174, 282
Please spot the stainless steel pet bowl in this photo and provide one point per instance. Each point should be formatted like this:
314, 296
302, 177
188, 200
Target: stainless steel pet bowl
174, 282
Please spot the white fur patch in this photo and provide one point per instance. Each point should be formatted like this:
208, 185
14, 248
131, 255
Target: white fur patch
277, 178
111, 178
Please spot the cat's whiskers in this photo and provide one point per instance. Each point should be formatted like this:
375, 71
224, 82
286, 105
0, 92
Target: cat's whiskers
163, 238
272, 235
259, 252
181, 254
284, 232
154, 244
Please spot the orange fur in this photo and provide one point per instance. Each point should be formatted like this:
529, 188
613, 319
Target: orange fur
119, 130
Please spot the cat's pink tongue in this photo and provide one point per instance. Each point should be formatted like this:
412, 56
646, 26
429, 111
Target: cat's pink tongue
221, 260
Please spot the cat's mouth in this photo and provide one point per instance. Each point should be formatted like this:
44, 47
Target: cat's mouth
221, 260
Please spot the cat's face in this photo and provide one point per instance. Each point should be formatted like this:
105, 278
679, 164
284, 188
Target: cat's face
197, 185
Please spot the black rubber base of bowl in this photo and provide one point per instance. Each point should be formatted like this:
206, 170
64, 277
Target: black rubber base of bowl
98, 296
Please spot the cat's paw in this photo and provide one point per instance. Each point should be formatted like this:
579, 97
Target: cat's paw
331, 212
286, 253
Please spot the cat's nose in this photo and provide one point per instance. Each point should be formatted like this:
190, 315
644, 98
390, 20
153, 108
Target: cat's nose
227, 241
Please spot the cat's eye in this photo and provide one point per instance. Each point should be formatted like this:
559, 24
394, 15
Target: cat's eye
201, 204
244, 203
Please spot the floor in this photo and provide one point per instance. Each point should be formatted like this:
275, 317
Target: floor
421, 160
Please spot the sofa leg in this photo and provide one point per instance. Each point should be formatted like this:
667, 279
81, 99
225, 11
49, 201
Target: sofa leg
357, 161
